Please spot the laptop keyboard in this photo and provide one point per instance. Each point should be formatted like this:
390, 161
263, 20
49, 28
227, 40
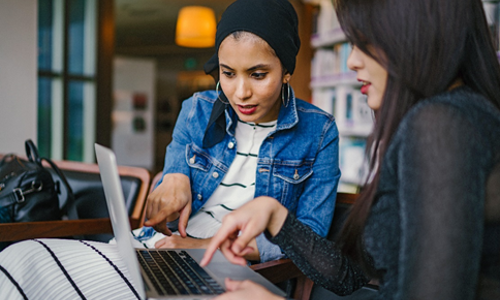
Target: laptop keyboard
177, 273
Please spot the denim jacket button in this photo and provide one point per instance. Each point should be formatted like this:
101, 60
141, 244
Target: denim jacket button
200, 197
230, 145
215, 175
192, 159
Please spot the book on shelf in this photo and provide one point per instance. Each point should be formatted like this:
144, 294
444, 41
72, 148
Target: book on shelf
354, 116
352, 160
335, 89
329, 62
325, 99
327, 18
350, 108
492, 12
326, 28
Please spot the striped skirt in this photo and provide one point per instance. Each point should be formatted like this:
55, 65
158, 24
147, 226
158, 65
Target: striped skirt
63, 269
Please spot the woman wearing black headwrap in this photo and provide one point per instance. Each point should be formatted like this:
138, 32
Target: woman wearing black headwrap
249, 138
251, 132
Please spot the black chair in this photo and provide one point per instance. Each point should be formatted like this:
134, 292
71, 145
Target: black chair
93, 219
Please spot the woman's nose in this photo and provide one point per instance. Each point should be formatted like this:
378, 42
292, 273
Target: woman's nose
243, 90
354, 61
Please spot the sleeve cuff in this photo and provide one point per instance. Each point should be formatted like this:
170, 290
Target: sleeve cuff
267, 250
289, 221
174, 225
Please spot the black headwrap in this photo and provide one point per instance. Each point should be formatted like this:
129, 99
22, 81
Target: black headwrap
276, 22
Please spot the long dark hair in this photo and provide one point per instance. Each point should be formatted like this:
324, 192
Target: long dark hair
425, 45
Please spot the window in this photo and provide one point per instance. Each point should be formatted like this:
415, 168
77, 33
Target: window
67, 43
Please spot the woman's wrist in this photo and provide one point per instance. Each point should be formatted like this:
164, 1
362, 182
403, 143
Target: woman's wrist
278, 217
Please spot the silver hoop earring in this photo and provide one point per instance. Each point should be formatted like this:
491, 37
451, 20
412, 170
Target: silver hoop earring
218, 95
283, 94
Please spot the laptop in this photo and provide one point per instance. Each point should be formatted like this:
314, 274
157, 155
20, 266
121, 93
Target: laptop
165, 273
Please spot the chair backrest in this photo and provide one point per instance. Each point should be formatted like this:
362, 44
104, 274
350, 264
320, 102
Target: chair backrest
155, 181
85, 181
93, 222
343, 206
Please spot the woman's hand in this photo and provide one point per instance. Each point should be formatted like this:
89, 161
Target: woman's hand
175, 241
171, 199
178, 242
241, 290
243, 225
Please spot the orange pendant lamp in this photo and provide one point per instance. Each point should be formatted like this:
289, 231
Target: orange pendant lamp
196, 26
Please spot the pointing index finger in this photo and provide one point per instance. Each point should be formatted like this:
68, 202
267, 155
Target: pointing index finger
222, 235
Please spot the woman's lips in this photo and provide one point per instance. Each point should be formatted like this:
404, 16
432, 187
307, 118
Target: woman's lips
247, 109
365, 86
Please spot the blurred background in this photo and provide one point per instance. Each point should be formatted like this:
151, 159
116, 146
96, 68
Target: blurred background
106, 71
115, 72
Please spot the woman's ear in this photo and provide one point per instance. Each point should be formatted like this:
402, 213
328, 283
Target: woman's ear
286, 77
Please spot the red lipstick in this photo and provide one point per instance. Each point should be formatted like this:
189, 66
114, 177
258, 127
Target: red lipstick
247, 109
364, 87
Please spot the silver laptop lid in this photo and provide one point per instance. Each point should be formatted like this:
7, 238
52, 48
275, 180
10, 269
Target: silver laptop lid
118, 214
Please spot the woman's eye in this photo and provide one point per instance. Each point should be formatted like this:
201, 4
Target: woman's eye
227, 73
259, 75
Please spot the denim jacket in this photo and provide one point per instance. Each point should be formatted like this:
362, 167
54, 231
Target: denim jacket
298, 163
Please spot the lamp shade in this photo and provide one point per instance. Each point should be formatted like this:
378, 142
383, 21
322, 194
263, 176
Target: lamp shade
196, 26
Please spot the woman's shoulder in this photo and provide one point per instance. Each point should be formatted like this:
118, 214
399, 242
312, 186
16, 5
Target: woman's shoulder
459, 105
307, 109
199, 103
196, 110
461, 114
207, 97
313, 122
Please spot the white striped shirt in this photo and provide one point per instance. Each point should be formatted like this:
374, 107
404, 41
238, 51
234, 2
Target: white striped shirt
238, 185
60, 269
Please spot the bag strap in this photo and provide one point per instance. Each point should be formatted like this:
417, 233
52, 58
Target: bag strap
69, 206
32, 152
16, 196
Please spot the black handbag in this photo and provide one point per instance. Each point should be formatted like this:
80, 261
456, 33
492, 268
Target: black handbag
28, 191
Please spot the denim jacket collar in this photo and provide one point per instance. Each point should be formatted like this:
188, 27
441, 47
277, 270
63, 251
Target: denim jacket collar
287, 117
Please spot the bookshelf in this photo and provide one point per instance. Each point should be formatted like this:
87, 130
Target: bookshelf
336, 90
492, 12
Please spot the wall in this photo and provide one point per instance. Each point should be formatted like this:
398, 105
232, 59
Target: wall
133, 111
18, 74
170, 95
